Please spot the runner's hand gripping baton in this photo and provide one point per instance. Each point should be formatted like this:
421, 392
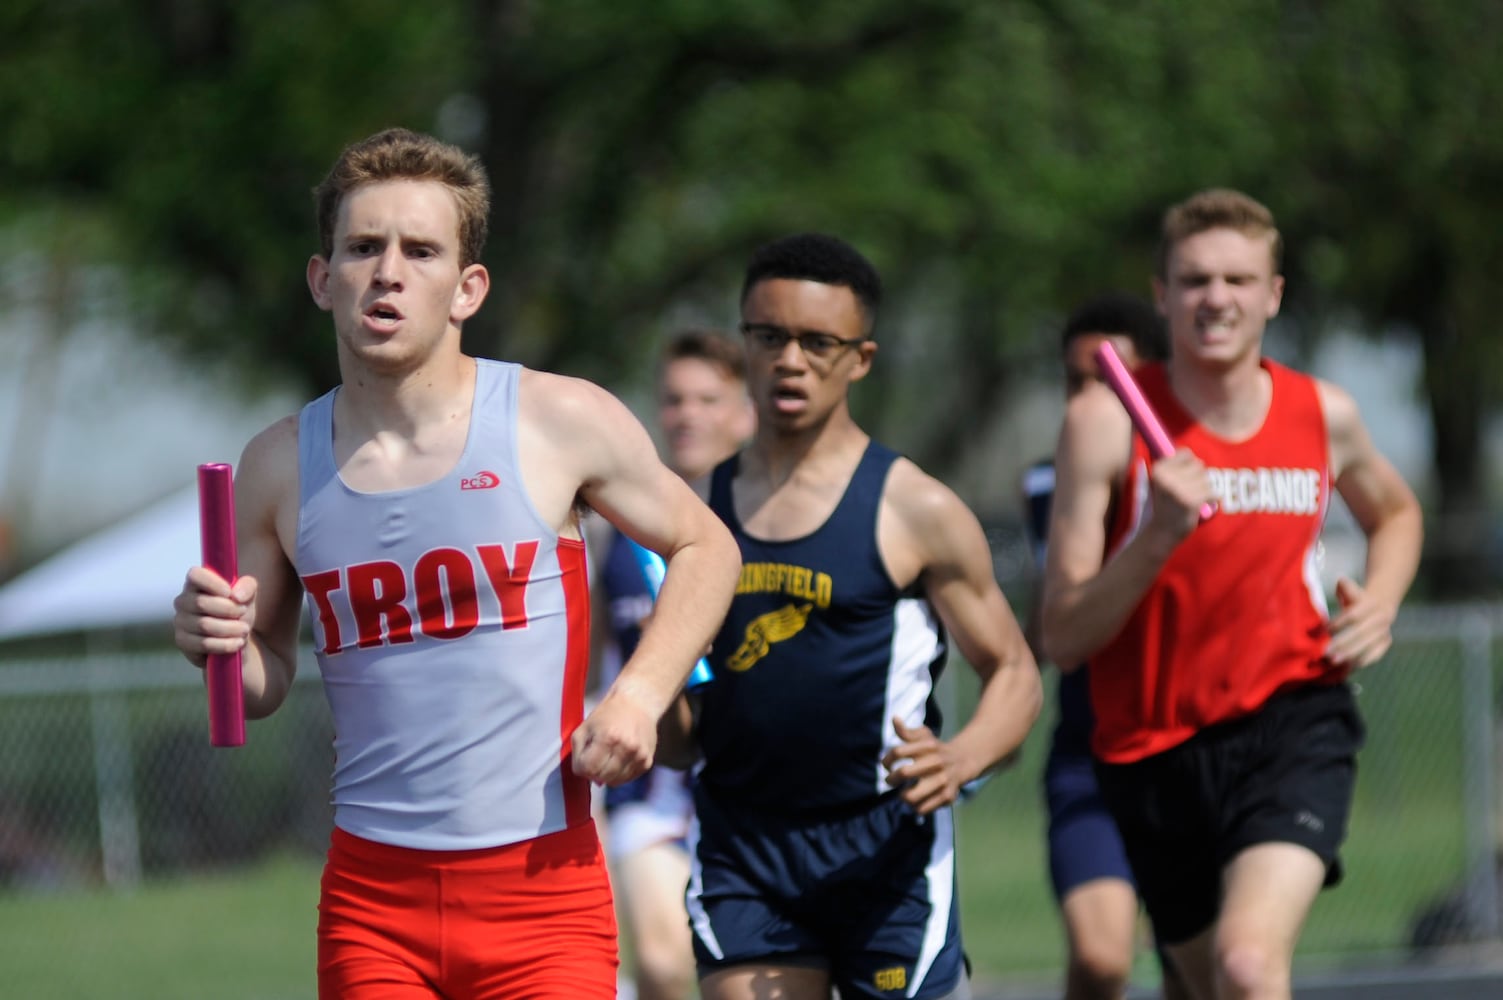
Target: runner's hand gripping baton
216, 533
1143, 417
653, 569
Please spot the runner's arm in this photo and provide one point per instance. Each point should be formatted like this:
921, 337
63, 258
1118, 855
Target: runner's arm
955, 570
1388, 513
1087, 596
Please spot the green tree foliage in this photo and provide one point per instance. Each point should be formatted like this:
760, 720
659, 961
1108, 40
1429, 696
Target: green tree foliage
195, 129
1390, 123
998, 161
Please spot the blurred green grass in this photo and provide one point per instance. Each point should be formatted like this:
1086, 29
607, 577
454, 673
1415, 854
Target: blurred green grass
248, 933
241, 935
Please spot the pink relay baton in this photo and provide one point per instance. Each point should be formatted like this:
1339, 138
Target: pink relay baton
1143, 417
216, 533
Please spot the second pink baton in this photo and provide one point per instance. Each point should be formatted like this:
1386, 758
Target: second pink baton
1160, 445
216, 532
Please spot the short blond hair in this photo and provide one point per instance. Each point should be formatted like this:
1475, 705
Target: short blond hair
401, 154
1219, 208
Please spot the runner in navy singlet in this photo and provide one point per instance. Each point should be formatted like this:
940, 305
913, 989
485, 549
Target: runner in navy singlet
825, 846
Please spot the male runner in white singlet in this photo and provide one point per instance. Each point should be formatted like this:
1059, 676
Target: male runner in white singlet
704, 415
429, 509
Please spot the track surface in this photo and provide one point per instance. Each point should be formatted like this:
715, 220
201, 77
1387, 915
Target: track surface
1395, 983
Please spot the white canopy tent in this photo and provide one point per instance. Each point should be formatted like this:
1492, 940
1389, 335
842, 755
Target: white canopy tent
127, 574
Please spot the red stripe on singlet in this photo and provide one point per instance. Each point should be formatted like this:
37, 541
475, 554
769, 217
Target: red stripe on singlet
575, 578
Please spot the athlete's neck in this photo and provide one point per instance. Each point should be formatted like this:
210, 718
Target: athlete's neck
1231, 402
777, 456
407, 403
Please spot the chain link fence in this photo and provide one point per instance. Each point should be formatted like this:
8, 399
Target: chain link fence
107, 776
107, 780
1423, 854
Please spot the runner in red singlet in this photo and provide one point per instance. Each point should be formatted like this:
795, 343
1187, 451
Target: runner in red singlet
1225, 733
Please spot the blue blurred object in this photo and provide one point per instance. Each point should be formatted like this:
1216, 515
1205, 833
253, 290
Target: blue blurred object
653, 569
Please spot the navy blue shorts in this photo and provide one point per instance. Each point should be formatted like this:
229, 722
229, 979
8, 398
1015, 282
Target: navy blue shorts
1084, 844
870, 897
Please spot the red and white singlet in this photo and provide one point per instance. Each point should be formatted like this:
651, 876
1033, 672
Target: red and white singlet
452, 631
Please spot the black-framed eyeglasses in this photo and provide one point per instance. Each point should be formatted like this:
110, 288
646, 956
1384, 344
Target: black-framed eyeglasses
822, 346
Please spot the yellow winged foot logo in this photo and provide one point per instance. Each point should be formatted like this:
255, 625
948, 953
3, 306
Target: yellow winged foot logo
764, 630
